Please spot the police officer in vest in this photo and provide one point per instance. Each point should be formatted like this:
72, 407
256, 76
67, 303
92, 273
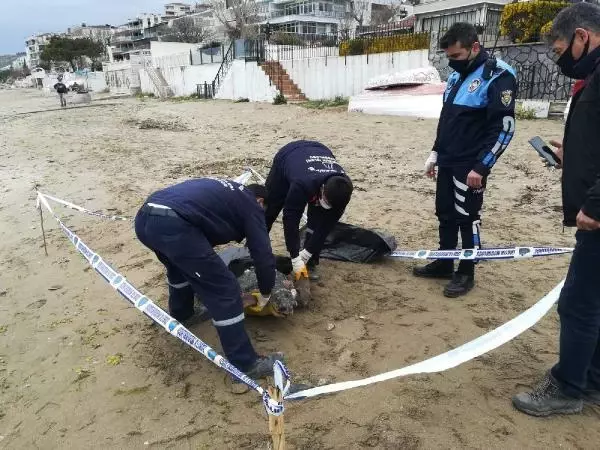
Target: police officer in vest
306, 173
476, 125
182, 224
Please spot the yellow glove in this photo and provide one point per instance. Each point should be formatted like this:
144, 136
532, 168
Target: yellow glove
299, 268
263, 307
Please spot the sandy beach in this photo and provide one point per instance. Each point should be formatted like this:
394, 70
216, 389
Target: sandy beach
80, 368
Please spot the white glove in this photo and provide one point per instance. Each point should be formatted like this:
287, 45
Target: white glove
305, 255
298, 264
431, 163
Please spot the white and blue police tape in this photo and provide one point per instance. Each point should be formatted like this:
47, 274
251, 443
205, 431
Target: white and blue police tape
150, 309
478, 253
452, 358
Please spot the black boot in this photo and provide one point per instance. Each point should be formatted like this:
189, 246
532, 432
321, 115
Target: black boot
461, 284
263, 366
440, 268
592, 397
547, 399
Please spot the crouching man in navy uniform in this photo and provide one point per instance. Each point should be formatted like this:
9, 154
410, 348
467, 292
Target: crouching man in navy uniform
306, 173
182, 224
476, 125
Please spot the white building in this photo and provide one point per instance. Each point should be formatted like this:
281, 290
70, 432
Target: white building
101, 33
135, 36
34, 45
438, 15
173, 10
318, 17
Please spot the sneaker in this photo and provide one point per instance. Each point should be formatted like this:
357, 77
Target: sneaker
440, 268
263, 366
460, 285
591, 397
547, 399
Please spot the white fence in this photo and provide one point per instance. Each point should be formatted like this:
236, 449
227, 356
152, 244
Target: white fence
324, 78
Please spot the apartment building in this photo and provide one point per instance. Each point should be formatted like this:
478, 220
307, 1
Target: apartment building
101, 33
34, 46
135, 36
173, 10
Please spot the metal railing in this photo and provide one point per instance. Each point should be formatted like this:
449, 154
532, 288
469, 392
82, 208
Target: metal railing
203, 90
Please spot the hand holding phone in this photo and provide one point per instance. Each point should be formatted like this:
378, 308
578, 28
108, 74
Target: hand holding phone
551, 158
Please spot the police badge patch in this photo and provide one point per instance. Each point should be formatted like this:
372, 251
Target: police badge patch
506, 97
474, 85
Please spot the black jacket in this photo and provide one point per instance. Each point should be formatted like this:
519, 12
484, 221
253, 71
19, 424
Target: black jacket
225, 212
581, 158
302, 168
477, 121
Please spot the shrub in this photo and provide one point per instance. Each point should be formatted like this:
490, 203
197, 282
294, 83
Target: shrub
279, 99
281, 38
404, 42
523, 21
524, 113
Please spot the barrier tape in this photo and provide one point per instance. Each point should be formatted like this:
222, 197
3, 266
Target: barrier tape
478, 253
452, 358
158, 315
242, 179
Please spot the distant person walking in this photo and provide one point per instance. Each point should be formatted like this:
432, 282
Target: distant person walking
61, 89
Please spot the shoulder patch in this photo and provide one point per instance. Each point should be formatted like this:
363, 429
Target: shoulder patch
506, 97
474, 85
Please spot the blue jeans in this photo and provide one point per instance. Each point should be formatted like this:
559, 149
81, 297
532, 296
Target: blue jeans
193, 266
578, 368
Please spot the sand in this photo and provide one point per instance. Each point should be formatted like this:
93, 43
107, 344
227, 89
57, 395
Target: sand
80, 368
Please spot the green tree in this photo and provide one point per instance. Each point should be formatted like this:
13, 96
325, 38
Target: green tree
70, 50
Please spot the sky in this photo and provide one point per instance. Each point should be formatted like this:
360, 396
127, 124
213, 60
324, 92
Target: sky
22, 18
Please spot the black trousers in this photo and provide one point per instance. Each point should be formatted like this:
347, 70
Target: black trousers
458, 208
578, 368
193, 266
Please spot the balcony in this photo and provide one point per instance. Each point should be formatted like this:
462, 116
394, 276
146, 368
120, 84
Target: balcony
324, 14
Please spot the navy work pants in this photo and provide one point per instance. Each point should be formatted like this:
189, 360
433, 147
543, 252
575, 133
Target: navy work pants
578, 368
193, 266
458, 208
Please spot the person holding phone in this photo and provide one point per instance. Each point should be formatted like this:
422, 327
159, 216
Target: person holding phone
575, 379
476, 125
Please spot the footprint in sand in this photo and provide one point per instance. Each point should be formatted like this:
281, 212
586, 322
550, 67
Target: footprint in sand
37, 304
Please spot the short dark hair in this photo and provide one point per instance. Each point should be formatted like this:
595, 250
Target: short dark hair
580, 15
258, 190
460, 32
338, 190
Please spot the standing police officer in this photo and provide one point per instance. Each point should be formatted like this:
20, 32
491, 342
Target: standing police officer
306, 173
475, 127
182, 224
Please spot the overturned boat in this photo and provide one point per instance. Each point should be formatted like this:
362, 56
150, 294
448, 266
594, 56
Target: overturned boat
413, 93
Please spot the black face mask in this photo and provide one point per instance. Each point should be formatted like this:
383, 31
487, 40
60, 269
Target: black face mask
460, 65
581, 68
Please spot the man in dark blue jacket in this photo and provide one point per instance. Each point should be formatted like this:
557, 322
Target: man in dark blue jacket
306, 173
476, 125
182, 224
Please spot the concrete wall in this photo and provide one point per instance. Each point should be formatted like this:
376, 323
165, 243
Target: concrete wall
246, 80
159, 49
182, 80
324, 78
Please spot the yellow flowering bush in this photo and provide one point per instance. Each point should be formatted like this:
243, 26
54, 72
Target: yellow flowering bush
523, 21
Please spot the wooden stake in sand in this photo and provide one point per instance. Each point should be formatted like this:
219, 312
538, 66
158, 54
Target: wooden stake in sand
43, 232
276, 422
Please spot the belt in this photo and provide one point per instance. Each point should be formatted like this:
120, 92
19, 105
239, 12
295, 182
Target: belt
159, 210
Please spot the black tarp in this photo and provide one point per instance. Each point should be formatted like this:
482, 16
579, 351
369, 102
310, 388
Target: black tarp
345, 243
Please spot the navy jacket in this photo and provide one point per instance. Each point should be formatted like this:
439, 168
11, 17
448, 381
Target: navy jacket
225, 212
477, 121
301, 168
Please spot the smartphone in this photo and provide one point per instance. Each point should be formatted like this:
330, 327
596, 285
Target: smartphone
544, 151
